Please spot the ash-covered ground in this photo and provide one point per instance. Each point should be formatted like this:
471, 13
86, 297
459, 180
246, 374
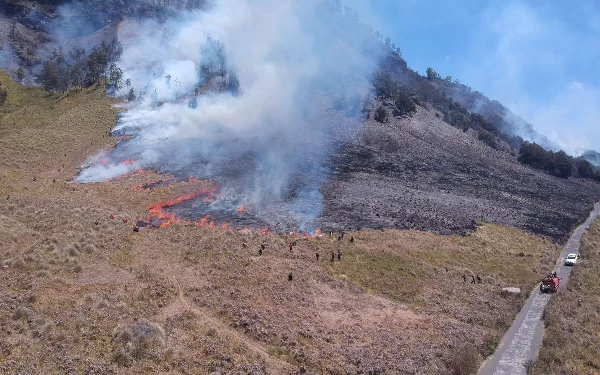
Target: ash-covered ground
422, 173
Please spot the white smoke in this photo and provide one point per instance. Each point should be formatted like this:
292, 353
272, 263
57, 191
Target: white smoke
303, 72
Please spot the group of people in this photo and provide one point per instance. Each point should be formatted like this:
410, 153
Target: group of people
264, 245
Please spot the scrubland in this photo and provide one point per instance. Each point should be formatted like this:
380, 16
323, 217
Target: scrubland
84, 293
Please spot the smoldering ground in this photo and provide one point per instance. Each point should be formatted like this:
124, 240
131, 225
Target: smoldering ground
304, 70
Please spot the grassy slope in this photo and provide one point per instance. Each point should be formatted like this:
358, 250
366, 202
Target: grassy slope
191, 299
572, 340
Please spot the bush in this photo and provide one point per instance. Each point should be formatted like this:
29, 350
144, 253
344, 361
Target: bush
138, 340
488, 139
381, 114
3, 94
404, 104
463, 362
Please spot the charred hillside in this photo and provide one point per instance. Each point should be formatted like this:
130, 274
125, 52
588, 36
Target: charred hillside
396, 150
421, 173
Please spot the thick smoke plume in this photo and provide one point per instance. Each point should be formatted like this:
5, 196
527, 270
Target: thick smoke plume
304, 71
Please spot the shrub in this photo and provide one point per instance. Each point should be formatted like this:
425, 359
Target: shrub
463, 362
381, 114
138, 340
3, 94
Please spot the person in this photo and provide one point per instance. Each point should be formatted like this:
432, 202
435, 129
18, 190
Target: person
464, 278
260, 251
244, 245
579, 301
263, 245
339, 254
478, 279
342, 235
136, 228
112, 216
352, 239
290, 277
472, 279
332, 256
317, 255
96, 222
291, 247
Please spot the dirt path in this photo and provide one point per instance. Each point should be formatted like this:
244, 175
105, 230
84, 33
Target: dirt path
253, 345
522, 341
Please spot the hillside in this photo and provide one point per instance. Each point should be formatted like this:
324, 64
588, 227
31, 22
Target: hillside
100, 298
313, 207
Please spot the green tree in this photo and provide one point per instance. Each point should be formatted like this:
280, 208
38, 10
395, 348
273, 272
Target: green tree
563, 165
97, 61
131, 96
432, 74
584, 168
48, 76
115, 76
404, 104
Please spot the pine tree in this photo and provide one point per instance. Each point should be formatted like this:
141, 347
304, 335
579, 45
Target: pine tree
131, 96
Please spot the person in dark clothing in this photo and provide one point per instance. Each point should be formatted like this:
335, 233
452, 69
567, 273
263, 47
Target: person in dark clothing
332, 256
464, 278
472, 279
290, 277
96, 222
352, 239
317, 255
339, 254
260, 251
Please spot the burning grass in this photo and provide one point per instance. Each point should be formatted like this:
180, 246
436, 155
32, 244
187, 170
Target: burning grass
571, 343
74, 278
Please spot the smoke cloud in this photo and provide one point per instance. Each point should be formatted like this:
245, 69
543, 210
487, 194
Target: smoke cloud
304, 70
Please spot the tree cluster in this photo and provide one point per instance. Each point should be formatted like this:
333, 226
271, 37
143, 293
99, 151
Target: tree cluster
215, 64
64, 71
394, 94
556, 163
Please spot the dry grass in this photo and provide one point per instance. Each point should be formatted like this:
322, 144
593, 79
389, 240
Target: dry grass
101, 299
572, 339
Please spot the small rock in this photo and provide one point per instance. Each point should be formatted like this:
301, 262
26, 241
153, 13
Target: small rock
512, 290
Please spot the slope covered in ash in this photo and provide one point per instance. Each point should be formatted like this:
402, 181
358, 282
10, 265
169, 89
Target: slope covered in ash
422, 173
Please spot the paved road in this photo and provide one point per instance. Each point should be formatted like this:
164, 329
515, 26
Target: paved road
522, 341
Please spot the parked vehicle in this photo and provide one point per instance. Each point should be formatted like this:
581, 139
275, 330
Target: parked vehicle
571, 259
550, 284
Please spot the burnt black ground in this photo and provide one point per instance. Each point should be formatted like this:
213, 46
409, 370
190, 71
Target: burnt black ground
421, 173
